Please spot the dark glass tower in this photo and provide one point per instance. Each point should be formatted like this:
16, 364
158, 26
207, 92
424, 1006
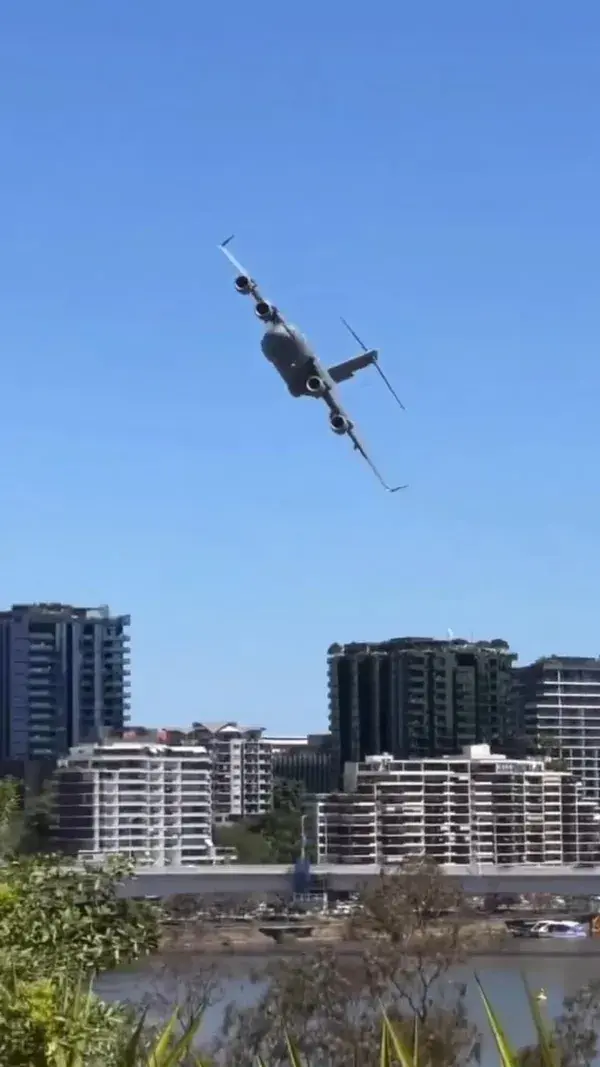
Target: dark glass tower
64, 678
310, 765
418, 697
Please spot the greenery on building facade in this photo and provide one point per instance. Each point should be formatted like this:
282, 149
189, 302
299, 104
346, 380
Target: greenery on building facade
276, 836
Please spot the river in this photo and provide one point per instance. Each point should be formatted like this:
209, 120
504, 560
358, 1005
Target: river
560, 968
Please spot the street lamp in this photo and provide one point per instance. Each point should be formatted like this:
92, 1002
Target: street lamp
303, 819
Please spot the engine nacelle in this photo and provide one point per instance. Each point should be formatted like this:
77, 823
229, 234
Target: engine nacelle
339, 424
243, 284
265, 312
315, 385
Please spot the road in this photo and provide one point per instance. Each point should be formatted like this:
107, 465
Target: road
244, 880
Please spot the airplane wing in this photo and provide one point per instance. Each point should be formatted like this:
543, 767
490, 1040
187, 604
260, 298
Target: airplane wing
338, 411
245, 284
242, 272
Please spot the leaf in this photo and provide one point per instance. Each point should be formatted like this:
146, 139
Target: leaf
508, 1057
293, 1054
548, 1052
183, 1045
130, 1054
384, 1047
415, 1048
167, 1052
403, 1053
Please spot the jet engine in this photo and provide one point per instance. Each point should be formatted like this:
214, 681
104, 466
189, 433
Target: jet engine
315, 385
264, 311
243, 284
339, 424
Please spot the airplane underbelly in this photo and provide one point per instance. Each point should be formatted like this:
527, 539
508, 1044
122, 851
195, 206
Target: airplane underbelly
289, 354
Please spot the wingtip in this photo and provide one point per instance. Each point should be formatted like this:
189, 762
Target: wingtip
227, 241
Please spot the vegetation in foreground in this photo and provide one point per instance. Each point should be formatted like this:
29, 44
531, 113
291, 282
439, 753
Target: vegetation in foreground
396, 1005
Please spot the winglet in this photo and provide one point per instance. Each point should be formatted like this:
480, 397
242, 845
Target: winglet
389, 385
223, 247
358, 447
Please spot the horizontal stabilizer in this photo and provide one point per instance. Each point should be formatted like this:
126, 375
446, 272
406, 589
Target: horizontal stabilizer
343, 371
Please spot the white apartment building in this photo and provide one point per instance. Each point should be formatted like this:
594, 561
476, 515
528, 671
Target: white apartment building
242, 769
149, 801
286, 742
558, 709
478, 808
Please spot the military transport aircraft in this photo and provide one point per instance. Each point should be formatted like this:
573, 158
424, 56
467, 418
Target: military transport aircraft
291, 355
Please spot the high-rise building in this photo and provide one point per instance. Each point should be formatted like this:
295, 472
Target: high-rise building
242, 769
305, 760
417, 697
474, 809
558, 707
147, 801
64, 678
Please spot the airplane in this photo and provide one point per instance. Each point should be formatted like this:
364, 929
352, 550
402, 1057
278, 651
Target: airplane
290, 353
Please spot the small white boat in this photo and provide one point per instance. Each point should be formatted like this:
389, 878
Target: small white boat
559, 929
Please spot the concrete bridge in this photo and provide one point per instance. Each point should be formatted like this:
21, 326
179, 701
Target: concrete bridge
244, 880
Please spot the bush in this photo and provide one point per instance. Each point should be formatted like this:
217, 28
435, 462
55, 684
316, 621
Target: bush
56, 918
47, 1021
57, 1027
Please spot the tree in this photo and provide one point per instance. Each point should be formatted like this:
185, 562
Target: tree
573, 1035
412, 937
60, 925
26, 817
246, 839
288, 796
276, 836
39, 819
331, 1005
56, 918
10, 823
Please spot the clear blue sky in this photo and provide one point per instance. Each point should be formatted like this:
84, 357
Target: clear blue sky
431, 171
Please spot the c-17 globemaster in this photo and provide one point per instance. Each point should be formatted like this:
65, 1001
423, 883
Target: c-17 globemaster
291, 355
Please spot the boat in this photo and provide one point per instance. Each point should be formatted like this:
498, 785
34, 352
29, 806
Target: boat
557, 929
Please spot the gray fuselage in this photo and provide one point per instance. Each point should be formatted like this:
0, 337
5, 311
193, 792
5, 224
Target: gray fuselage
292, 357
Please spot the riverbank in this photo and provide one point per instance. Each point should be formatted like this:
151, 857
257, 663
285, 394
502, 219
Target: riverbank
251, 938
483, 937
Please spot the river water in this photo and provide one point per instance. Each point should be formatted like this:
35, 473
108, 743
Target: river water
559, 968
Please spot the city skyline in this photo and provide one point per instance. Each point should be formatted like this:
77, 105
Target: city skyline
405, 707
464, 248
56, 615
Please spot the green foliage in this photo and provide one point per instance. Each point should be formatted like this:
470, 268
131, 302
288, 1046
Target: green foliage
59, 925
10, 815
275, 837
288, 796
56, 1023
48, 1021
60, 1023
56, 918
282, 832
38, 819
26, 817
246, 839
